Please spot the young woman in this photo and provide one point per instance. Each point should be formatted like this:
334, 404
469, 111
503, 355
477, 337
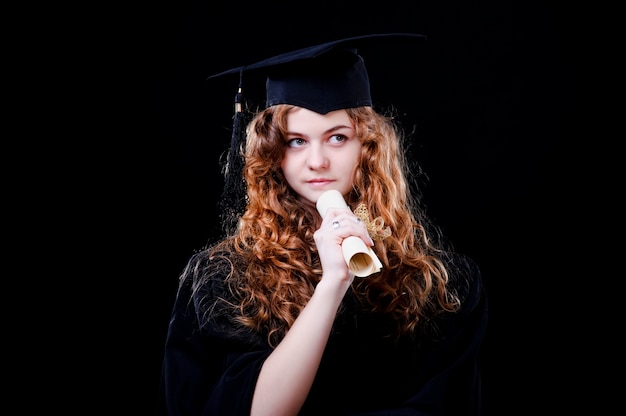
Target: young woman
271, 320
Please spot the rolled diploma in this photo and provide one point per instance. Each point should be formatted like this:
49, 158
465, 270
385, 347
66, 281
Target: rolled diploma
360, 258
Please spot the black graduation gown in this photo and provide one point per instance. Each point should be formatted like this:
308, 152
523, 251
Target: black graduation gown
209, 371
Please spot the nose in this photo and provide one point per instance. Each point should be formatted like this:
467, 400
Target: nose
317, 157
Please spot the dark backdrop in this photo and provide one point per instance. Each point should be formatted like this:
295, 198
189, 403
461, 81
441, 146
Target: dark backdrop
493, 99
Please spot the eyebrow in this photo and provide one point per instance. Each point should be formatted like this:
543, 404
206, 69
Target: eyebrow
328, 131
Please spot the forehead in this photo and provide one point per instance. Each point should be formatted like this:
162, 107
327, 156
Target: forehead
300, 118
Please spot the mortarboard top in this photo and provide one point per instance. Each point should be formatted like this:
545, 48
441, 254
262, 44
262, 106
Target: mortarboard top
322, 78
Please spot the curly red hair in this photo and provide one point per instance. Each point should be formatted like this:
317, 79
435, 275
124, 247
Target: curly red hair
274, 239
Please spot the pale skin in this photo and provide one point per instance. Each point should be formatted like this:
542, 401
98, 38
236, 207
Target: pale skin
322, 154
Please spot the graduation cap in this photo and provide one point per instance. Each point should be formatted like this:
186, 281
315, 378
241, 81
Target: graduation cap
322, 78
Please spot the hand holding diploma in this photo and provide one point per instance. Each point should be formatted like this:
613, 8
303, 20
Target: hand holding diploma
360, 258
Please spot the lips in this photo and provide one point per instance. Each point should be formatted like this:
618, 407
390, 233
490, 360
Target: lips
319, 181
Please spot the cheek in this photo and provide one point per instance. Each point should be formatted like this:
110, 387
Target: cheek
285, 163
356, 161
355, 166
288, 166
353, 173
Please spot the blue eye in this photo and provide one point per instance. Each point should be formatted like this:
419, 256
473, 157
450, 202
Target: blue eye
296, 142
338, 138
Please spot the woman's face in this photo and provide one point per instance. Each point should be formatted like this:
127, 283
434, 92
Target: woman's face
322, 153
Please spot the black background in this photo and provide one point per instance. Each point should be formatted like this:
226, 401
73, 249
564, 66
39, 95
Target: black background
493, 98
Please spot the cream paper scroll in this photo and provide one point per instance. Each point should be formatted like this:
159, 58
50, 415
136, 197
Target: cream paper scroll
360, 258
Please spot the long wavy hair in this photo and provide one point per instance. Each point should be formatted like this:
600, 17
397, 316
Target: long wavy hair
272, 258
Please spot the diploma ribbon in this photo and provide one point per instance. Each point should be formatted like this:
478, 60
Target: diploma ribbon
376, 228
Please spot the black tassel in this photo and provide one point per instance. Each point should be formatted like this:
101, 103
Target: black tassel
233, 202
